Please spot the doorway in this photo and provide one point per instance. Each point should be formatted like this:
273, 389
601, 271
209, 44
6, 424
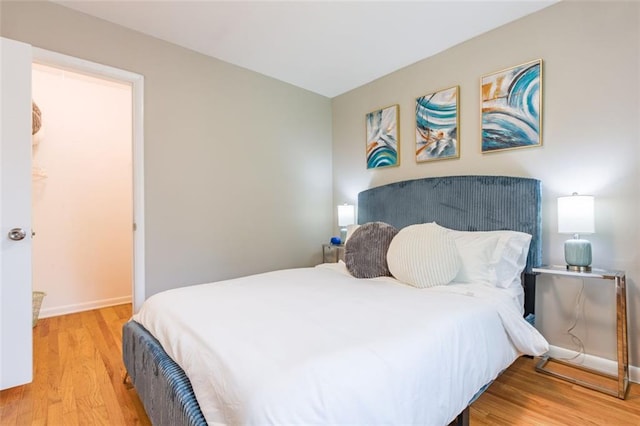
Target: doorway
84, 71
82, 251
16, 351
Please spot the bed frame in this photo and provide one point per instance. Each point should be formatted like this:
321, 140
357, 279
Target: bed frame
466, 203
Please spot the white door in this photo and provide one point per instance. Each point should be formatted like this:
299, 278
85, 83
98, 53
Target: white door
16, 346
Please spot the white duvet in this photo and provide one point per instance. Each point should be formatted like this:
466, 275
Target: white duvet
317, 346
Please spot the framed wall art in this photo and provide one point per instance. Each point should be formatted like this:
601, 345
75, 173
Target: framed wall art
382, 138
437, 124
512, 107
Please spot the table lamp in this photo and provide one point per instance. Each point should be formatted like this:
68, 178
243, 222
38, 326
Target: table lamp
346, 217
576, 216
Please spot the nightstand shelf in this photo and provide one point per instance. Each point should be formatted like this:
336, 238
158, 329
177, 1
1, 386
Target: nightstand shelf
332, 253
564, 372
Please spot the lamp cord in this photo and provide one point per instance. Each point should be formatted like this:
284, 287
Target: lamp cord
576, 314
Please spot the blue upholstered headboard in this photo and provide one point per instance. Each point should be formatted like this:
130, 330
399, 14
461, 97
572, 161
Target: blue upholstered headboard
465, 203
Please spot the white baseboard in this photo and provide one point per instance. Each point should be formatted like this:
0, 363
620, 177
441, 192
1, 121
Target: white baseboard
86, 306
603, 365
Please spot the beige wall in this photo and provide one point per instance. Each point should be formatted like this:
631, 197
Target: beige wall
591, 53
237, 165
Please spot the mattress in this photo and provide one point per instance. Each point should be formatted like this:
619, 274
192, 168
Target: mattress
315, 345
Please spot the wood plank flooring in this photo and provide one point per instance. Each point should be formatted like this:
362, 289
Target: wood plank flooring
521, 396
78, 375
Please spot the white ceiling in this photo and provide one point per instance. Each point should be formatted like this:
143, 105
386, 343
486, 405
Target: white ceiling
327, 47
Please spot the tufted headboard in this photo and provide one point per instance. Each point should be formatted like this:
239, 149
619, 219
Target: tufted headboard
465, 203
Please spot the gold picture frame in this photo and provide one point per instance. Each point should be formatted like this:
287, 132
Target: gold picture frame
511, 108
438, 125
383, 137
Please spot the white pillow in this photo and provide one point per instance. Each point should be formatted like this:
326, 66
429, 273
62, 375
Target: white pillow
514, 248
477, 252
423, 256
350, 230
494, 258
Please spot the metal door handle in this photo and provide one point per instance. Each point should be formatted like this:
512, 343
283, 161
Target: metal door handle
17, 234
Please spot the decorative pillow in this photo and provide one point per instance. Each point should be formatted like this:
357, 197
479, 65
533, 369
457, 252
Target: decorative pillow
494, 258
365, 252
423, 256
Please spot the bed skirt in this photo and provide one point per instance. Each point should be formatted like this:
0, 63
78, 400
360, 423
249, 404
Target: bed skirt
164, 389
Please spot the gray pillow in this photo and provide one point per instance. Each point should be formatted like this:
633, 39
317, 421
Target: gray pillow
365, 252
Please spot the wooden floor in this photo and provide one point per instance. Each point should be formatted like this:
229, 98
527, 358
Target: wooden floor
520, 396
78, 374
78, 381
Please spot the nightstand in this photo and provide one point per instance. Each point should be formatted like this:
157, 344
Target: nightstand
331, 253
622, 379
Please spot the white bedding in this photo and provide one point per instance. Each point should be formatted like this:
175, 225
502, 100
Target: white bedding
316, 345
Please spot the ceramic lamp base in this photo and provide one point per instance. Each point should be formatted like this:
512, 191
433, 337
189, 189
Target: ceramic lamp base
343, 235
577, 254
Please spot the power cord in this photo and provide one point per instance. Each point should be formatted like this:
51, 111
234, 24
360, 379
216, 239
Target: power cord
576, 314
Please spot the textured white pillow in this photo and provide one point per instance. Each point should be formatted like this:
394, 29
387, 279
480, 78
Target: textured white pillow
494, 258
423, 256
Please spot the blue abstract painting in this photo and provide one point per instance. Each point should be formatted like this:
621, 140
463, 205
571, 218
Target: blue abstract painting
437, 125
382, 138
511, 107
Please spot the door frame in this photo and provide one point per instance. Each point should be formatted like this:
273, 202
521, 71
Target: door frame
59, 60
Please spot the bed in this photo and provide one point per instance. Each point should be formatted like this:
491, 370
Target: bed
316, 345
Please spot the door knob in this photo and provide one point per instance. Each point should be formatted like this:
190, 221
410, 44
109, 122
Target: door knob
17, 234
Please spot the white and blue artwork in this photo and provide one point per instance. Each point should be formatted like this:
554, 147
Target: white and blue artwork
437, 125
382, 138
511, 107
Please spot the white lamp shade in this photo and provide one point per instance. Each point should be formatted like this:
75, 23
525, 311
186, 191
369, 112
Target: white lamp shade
576, 215
346, 215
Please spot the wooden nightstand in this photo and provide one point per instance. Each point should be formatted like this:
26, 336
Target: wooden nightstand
331, 253
622, 378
